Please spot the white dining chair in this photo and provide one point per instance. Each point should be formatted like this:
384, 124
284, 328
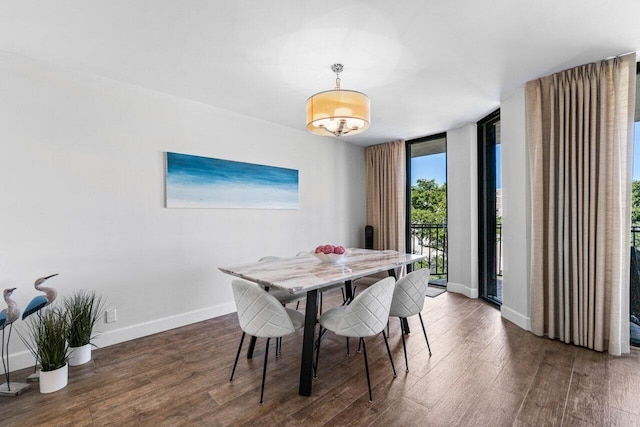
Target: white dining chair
261, 315
283, 296
365, 316
408, 300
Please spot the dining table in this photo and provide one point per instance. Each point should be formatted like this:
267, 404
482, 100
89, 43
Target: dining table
307, 275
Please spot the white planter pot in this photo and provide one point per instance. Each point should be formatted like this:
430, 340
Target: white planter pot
79, 355
51, 381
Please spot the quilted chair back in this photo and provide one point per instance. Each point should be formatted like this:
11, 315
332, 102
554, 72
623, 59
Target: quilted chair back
260, 314
368, 313
409, 294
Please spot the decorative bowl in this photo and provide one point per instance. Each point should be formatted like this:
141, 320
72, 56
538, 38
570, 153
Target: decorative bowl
329, 258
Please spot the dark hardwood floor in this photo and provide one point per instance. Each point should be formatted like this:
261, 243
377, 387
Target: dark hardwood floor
484, 371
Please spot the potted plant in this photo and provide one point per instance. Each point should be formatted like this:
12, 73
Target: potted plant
47, 341
83, 309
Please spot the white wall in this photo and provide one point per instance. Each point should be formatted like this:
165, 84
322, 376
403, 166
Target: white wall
82, 178
463, 207
462, 210
515, 209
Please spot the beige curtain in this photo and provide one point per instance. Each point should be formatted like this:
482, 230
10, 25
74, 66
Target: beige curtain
580, 134
386, 194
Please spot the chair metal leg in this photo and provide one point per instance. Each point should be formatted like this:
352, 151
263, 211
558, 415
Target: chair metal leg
252, 346
404, 346
315, 366
425, 333
264, 370
237, 356
366, 367
348, 354
386, 343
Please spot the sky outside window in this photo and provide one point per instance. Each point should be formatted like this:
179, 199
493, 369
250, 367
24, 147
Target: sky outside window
434, 167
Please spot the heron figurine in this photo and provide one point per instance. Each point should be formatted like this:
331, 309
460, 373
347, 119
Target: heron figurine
36, 305
7, 317
41, 301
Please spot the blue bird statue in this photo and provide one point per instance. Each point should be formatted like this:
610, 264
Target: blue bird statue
37, 304
41, 301
7, 317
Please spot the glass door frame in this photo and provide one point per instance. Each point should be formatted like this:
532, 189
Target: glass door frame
632, 342
487, 250
408, 144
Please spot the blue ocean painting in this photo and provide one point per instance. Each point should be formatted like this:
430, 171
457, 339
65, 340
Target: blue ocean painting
203, 182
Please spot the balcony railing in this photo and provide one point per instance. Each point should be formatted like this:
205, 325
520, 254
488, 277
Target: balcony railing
499, 250
635, 235
634, 286
431, 240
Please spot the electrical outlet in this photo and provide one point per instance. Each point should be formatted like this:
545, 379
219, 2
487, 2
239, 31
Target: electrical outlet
111, 315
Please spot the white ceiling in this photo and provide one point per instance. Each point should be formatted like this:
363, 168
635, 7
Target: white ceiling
428, 66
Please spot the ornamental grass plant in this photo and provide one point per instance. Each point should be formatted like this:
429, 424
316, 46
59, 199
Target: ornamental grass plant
46, 338
83, 310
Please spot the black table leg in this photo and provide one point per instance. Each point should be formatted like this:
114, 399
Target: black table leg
348, 288
392, 273
306, 368
405, 324
252, 345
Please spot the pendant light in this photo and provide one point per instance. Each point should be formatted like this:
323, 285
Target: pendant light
338, 112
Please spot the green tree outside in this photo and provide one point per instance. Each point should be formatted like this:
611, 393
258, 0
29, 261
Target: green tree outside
428, 202
428, 220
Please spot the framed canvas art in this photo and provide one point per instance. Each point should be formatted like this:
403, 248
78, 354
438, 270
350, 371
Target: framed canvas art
204, 182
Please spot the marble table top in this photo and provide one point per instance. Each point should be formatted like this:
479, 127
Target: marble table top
306, 273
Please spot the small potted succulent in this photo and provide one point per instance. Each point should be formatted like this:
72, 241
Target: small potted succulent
83, 309
47, 340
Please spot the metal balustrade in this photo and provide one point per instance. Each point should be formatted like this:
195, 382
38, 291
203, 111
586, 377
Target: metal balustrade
431, 239
635, 235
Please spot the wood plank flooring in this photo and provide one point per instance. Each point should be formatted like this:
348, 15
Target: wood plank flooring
484, 371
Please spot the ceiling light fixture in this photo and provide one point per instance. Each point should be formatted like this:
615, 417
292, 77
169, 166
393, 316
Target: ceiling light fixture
338, 112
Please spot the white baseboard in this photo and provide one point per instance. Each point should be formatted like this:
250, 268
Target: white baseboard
516, 318
25, 359
462, 289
